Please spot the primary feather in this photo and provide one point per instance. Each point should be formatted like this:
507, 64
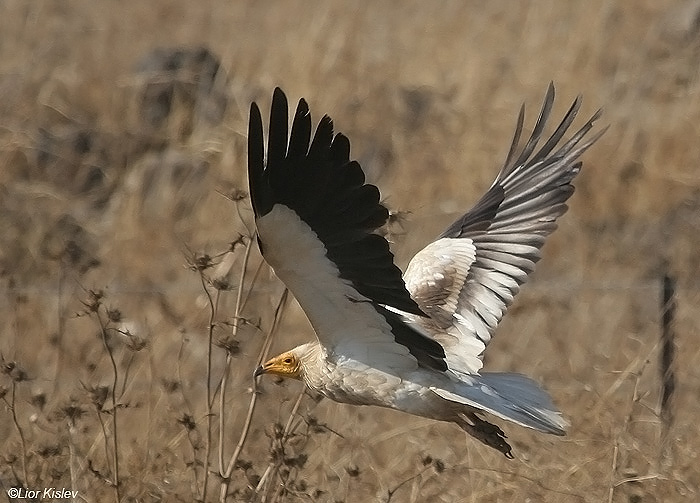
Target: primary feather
412, 343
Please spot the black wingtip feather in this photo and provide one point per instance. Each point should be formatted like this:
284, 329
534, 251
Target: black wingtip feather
340, 148
301, 132
320, 145
256, 162
328, 192
277, 141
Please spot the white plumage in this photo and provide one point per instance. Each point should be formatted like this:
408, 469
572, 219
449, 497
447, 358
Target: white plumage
413, 343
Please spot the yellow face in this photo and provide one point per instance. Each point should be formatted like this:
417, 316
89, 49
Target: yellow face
284, 365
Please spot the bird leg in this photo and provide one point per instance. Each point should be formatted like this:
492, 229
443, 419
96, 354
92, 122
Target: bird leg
488, 433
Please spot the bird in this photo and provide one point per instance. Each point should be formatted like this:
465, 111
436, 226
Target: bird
412, 342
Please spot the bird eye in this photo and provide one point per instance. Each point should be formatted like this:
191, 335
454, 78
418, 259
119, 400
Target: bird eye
288, 361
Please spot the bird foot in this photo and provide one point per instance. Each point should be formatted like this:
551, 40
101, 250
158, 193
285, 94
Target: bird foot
485, 432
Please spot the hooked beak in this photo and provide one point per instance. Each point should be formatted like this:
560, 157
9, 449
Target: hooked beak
258, 371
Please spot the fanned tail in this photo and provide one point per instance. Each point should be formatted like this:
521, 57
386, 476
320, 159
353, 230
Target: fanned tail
513, 397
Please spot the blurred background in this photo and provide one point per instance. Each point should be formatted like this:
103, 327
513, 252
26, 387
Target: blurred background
122, 161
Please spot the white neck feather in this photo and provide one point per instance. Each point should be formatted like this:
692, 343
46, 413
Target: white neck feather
313, 359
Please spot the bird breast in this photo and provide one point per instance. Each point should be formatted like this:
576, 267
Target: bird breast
350, 381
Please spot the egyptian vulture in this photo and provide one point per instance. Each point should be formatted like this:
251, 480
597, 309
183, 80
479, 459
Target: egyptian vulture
414, 342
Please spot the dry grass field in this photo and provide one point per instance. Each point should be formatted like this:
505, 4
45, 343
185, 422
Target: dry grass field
133, 310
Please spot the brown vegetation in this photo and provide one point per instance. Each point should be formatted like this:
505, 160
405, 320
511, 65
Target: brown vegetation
128, 282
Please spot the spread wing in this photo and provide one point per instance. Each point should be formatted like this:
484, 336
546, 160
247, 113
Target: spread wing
316, 218
467, 278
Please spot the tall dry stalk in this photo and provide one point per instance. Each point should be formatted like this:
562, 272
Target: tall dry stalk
667, 364
94, 305
668, 352
267, 343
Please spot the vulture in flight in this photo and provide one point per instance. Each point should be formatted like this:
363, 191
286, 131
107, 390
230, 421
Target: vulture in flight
411, 342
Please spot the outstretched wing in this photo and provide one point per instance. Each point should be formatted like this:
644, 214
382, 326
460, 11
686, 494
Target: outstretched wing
467, 278
316, 218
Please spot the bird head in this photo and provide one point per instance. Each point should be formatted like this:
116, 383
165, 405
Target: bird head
285, 365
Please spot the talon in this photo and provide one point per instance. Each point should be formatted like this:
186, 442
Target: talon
487, 433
